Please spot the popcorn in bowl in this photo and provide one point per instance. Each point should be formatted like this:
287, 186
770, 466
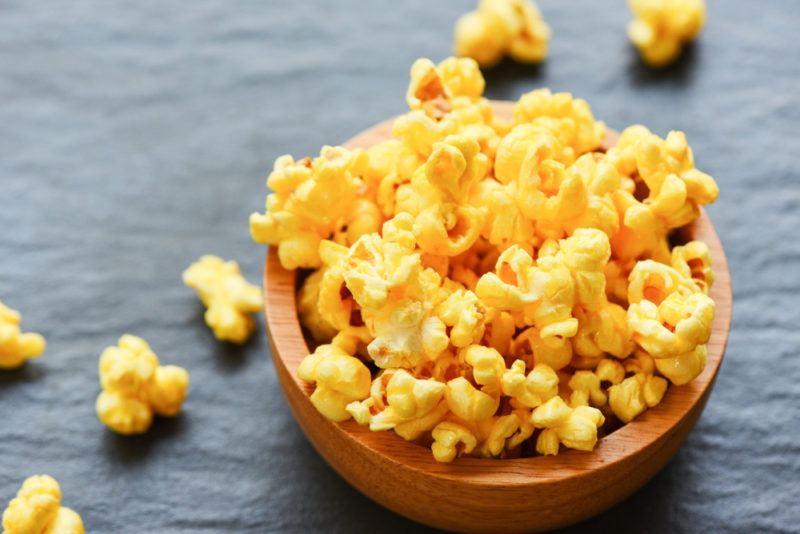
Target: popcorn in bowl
506, 287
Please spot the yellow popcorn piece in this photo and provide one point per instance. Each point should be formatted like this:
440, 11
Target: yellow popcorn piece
585, 254
666, 167
37, 509
339, 377
308, 309
678, 325
468, 403
445, 225
504, 433
451, 440
570, 118
407, 399
661, 27
605, 331
230, 298
554, 352
575, 428
693, 262
654, 281
585, 386
635, 394
311, 200
465, 315
505, 224
17, 347
539, 386
488, 366
500, 27
135, 386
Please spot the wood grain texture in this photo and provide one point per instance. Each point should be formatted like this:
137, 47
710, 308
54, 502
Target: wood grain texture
481, 495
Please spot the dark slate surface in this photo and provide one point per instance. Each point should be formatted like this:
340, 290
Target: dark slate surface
136, 136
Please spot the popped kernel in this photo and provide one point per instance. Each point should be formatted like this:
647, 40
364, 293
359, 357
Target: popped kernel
135, 387
499, 27
407, 399
486, 286
575, 428
37, 509
662, 27
450, 440
469, 403
230, 298
635, 394
17, 347
340, 379
539, 386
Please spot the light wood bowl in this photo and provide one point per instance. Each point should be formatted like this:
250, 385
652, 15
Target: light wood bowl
484, 495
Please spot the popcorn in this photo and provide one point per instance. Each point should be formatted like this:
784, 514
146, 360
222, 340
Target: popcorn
576, 428
450, 440
693, 261
340, 379
569, 118
499, 27
227, 295
407, 399
479, 283
37, 509
533, 390
635, 394
468, 403
17, 347
661, 27
311, 200
135, 386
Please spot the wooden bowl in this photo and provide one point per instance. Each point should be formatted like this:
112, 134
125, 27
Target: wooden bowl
484, 495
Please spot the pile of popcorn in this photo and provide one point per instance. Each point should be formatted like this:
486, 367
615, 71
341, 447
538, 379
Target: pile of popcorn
491, 286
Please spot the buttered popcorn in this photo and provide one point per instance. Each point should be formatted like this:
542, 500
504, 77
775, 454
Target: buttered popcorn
662, 27
493, 287
230, 298
136, 386
16, 347
37, 509
502, 27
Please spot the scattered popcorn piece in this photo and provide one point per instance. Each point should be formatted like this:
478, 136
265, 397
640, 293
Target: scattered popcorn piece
17, 347
227, 295
135, 386
499, 27
475, 278
37, 509
576, 427
635, 394
661, 27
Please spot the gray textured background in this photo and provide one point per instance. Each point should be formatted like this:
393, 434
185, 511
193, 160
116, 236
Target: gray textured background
136, 136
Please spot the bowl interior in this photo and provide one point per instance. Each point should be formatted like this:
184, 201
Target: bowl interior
290, 347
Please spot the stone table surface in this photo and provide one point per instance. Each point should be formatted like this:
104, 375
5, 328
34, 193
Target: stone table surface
136, 135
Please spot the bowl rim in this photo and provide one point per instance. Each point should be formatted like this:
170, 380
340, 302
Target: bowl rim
289, 347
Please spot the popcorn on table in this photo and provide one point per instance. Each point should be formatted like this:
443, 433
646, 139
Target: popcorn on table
136, 387
502, 27
493, 287
661, 28
17, 347
37, 509
230, 298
